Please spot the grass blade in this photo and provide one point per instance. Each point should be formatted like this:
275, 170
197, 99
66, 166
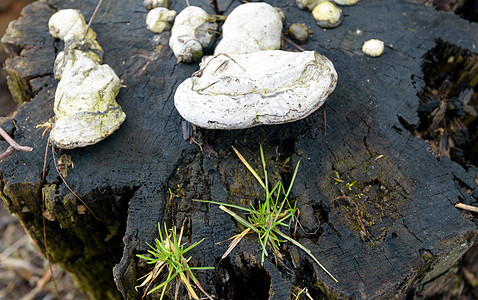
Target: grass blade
266, 187
192, 246
238, 218
222, 203
235, 241
199, 286
188, 286
164, 284
306, 251
292, 180
248, 166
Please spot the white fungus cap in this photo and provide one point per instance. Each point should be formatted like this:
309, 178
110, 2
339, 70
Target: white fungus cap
373, 47
184, 41
159, 19
67, 23
249, 28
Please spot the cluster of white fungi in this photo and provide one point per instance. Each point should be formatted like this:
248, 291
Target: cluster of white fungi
247, 82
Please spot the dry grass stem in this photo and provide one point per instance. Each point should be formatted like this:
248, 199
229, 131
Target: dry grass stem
467, 207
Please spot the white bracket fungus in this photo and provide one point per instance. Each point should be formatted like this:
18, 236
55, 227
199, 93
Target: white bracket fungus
192, 32
160, 19
267, 87
249, 28
373, 47
85, 107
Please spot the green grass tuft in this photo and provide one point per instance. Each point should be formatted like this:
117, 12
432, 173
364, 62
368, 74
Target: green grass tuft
168, 254
268, 218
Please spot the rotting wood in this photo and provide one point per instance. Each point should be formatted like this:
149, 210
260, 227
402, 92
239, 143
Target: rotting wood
395, 229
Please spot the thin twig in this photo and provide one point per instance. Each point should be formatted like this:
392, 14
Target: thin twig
19, 243
13, 145
6, 152
92, 17
296, 222
45, 158
293, 44
466, 207
33, 294
208, 30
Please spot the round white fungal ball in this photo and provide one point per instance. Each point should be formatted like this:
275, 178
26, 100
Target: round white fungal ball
327, 15
67, 23
159, 19
249, 28
188, 37
373, 47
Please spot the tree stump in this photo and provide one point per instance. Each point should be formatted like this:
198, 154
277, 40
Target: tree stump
376, 206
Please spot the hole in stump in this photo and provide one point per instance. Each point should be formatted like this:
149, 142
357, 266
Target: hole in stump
448, 104
237, 283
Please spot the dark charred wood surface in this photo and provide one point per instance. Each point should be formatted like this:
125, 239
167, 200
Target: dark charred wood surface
396, 228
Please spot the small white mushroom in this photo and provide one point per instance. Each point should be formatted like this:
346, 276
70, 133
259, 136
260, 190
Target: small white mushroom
160, 19
68, 23
150, 4
192, 31
267, 87
373, 47
327, 15
249, 28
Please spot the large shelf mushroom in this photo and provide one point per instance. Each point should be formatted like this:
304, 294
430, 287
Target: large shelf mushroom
268, 87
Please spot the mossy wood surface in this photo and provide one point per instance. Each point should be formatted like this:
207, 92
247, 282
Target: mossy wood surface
393, 228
